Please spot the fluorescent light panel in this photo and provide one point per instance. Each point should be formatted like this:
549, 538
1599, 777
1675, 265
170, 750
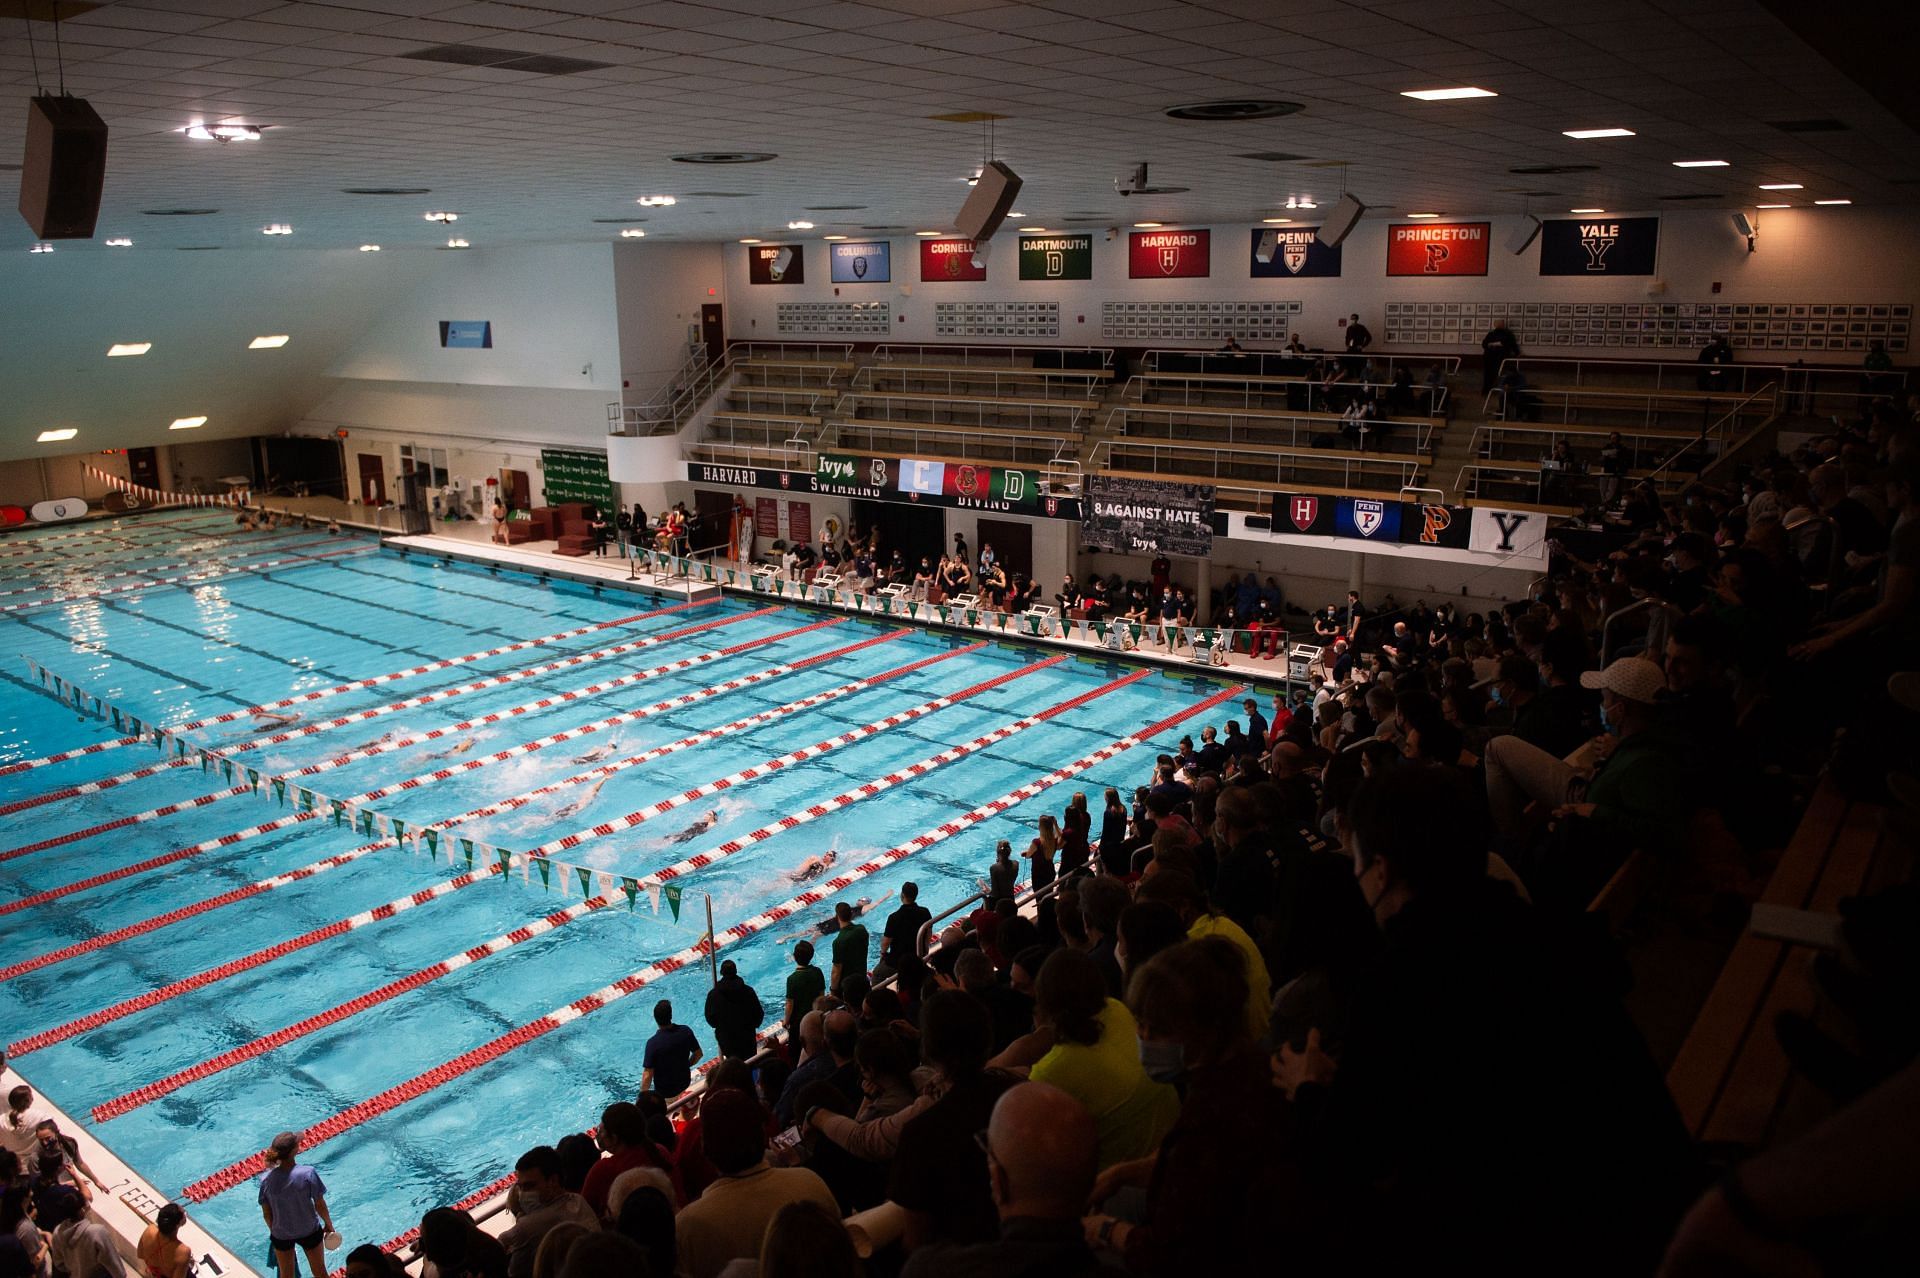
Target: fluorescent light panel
1773, 206
1586, 210
188, 423
1447, 95
1833, 201
1699, 164
1781, 186
55, 436
128, 348
1587, 134
267, 343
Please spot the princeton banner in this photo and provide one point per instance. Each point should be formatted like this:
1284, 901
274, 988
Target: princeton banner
1593, 246
1143, 516
1438, 248
1406, 522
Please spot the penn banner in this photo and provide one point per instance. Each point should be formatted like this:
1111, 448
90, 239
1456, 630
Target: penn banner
776, 264
1592, 246
1508, 532
1144, 516
1367, 519
1425, 525
867, 263
1002, 490
1297, 251
1056, 257
949, 262
1438, 248
1162, 255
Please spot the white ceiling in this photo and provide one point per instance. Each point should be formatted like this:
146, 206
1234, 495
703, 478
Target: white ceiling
842, 92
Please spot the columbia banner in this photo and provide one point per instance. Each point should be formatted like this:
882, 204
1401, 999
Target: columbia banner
1438, 248
1297, 251
776, 264
867, 263
1056, 257
1593, 246
949, 262
1141, 516
1159, 255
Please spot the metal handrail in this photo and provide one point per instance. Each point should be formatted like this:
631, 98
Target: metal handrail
1150, 360
1350, 465
888, 352
1219, 382
1258, 429
1081, 381
1785, 374
886, 400
1712, 430
1649, 401
969, 444
835, 352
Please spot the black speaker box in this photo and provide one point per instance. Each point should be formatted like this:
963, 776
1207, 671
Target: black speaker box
64, 169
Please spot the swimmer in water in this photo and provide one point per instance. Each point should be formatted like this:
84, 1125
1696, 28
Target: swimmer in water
831, 924
265, 719
579, 804
813, 867
382, 739
598, 752
698, 828
462, 748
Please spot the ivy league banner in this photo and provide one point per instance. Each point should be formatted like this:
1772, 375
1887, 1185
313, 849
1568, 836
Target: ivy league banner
1297, 251
860, 263
776, 264
1143, 516
1599, 246
1159, 255
949, 261
1056, 257
1437, 248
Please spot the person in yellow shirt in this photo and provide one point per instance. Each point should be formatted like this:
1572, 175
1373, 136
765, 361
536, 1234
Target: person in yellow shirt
1095, 1058
1180, 890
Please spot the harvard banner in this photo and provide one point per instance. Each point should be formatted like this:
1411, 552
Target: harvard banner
1297, 251
1159, 255
1437, 248
867, 263
1599, 246
776, 264
992, 489
1143, 516
949, 262
1056, 257
1306, 513
1508, 532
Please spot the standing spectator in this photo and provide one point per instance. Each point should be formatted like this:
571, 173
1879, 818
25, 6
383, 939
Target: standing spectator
901, 934
672, 1052
1113, 834
1714, 358
1041, 852
294, 1201
1359, 337
729, 1221
1613, 468
734, 1012
1497, 347
1162, 572
17, 1226
19, 1134
1011, 1010
82, 1247
1077, 828
939, 1172
539, 1202
850, 947
804, 984
1003, 875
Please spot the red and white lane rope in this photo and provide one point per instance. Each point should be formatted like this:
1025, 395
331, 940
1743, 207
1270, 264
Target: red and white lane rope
346, 1120
510, 803
392, 707
126, 549
185, 579
385, 747
319, 694
279, 950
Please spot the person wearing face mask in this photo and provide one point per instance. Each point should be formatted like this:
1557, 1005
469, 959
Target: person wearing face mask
1220, 1188
1490, 1097
538, 1202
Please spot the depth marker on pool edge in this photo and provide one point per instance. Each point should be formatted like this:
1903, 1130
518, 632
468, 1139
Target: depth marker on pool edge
346, 1120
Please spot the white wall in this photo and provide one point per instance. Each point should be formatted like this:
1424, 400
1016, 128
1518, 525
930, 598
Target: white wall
659, 290
1814, 255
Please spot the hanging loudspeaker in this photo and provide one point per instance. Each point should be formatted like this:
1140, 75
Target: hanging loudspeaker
1743, 224
782, 262
988, 202
1345, 214
1269, 244
64, 168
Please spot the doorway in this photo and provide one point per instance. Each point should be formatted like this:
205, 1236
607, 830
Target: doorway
1012, 545
712, 513
916, 530
373, 479
143, 466
713, 331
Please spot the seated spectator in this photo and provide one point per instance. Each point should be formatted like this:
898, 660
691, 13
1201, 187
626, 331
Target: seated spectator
888, 1101
1012, 1011
805, 1242
1040, 1149
1177, 890
623, 1134
458, 1248
1094, 1057
815, 1062
729, 1221
538, 1202
939, 1172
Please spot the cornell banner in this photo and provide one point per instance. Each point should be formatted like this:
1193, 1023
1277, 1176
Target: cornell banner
1141, 517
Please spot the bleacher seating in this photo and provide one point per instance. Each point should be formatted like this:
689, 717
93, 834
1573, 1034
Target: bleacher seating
1263, 430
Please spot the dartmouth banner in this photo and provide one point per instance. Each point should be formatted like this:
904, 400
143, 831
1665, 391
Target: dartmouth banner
1594, 246
1143, 516
575, 476
1004, 490
1056, 257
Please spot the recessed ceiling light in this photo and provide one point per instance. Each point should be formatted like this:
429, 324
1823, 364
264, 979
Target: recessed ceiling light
1833, 201
1773, 206
1585, 134
223, 132
833, 237
656, 201
800, 225
725, 157
750, 241
1276, 221
1148, 226
267, 343
120, 241
1423, 215
1016, 214
55, 436
1781, 186
928, 235
1446, 95
1586, 210
632, 233
188, 423
276, 228
41, 248
1699, 164
369, 248
1034, 230
128, 348
438, 216
457, 244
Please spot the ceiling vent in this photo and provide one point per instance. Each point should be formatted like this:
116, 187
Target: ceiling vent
1808, 126
386, 190
476, 55
1233, 109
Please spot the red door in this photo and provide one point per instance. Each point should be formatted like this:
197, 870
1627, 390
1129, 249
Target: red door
373, 480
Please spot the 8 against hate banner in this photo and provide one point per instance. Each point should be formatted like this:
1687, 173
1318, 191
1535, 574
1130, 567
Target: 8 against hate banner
776, 264
1144, 516
1297, 251
1438, 248
1056, 257
868, 263
994, 489
1158, 255
1599, 246
949, 261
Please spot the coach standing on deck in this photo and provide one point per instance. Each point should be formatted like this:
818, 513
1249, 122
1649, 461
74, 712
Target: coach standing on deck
293, 1200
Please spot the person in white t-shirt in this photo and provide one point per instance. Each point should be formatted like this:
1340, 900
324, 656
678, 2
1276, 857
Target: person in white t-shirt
19, 1131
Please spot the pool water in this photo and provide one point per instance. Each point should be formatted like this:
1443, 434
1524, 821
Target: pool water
264, 616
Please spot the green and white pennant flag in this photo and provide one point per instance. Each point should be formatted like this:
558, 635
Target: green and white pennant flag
430, 836
305, 797
506, 863
673, 892
546, 873
342, 814
466, 850
586, 879
632, 888
366, 823
279, 789
973, 618
1099, 629
1134, 629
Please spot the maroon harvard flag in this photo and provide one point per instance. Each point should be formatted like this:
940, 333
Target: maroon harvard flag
1303, 511
1159, 255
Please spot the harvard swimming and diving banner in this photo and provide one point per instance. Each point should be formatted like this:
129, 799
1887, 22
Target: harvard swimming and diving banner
1599, 246
1056, 257
1006, 490
1144, 516
1297, 250
1437, 248
949, 262
1160, 255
